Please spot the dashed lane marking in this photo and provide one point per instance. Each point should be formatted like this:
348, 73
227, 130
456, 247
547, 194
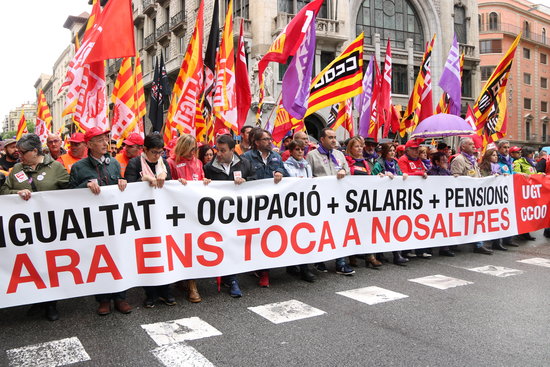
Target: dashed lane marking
181, 330
50, 354
497, 271
180, 355
440, 281
372, 295
286, 311
539, 261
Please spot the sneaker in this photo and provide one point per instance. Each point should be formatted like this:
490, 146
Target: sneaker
234, 290
344, 269
410, 255
321, 267
168, 301
149, 303
264, 279
424, 255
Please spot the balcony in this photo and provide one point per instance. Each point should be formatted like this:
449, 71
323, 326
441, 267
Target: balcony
149, 42
247, 27
469, 51
149, 7
178, 24
163, 32
514, 30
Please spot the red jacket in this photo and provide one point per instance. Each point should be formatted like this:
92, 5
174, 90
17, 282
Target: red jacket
410, 167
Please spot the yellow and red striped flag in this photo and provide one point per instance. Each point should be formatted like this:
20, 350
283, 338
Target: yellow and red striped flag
182, 110
124, 115
43, 118
344, 117
139, 95
225, 96
22, 126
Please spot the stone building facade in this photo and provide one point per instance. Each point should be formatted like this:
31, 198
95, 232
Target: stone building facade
12, 120
528, 94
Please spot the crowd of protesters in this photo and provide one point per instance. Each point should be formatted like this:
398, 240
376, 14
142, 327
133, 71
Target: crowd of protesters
93, 161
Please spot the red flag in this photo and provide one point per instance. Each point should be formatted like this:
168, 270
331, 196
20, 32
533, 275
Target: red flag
395, 119
114, 36
373, 126
426, 100
244, 97
384, 104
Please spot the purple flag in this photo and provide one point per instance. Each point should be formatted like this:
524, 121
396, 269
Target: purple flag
363, 101
297, 78
450, 79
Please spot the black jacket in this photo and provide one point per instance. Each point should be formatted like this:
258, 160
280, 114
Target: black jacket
133, 170
214, 171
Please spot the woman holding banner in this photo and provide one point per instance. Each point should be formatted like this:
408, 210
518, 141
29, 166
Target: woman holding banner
36, 172
388, 165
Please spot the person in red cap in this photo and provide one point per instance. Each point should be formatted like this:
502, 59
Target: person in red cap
96, 170
515, 153
77, 151
410, 162
132, 149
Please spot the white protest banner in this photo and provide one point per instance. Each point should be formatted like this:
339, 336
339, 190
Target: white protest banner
71, 243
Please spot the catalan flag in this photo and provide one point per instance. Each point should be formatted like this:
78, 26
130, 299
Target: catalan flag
124, 120
412, 113
22, 126
43, 118
283, 123
225, 96
493, 88
344, 117
139, 94
340, 80
189, 83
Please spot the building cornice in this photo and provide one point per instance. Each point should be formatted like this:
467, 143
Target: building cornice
494, 5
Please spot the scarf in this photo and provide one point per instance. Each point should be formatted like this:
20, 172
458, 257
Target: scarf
427, 163
495, 168
322, 150
531, 161
370, 156
390, 166
506, 159
470, 158
298, 164
160, 168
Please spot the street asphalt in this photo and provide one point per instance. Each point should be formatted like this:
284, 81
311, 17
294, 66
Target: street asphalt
487, 320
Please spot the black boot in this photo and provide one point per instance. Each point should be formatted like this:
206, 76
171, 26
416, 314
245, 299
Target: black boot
306, 274
398, 259
547, 233
51, 311
498, 246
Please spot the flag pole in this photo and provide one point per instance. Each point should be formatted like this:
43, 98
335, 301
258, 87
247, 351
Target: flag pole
278, 99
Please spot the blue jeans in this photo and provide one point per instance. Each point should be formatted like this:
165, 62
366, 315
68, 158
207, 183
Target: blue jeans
120, 296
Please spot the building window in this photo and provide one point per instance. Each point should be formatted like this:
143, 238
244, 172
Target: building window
486, 72
294, 6
396, 19
543, 59
526, 29
527, 78
544, 83
544, 132
240, 8
399, 80
544, 106
480, 22
460, 24
543, 36
283, 67
467, 83
493, 21
490, 46
527, 128
326, 58
526, 53
527, 103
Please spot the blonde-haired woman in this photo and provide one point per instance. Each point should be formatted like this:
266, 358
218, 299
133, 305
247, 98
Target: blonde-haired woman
185, 166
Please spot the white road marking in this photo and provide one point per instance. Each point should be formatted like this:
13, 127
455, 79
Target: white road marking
50, 354
497, 271
286, 311
176, 331
440, 281
180, 355
372, 295
539, 261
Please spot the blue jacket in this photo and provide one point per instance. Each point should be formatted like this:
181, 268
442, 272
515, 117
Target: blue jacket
506, 167
274, 164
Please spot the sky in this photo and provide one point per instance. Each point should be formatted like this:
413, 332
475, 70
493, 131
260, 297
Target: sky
32, 38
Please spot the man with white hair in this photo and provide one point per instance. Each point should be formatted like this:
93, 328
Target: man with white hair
54, 146
465, 164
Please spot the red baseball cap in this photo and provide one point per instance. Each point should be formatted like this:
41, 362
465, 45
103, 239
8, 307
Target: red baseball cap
222, 132
133, 139
400, 148
515, 149
415, 143
93, 132
77, 138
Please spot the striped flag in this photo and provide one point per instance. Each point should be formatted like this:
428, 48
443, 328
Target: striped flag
139, 95
244, 96
22, 126
340, 80
284, 122
385, 102
225, 96
333, 113
189, 84
374, 108
43, 118
343, 117
124, 120
412, 113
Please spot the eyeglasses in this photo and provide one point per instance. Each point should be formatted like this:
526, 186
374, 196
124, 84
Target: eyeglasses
266, 139
23, 152
155, 152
